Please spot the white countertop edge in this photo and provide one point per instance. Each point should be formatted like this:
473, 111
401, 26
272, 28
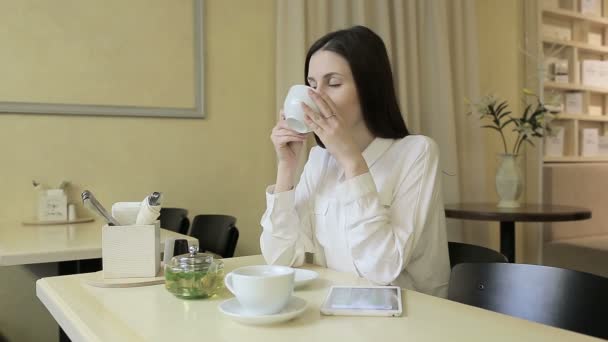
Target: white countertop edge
68, 320
51, 256
74, 254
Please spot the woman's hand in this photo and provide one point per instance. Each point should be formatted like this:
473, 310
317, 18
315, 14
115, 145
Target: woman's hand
329, 126
287, 144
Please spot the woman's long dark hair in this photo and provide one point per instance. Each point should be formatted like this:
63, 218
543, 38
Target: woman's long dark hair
368, 60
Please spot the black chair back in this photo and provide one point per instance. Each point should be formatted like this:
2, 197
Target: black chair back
174, 219
216, 233
464, 252
558, 297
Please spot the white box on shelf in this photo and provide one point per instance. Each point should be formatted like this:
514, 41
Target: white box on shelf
603, 74
592, 7
549, 66
595, 110
602, 146
591, 73
131, 251
554, 142
556, 32
595, 38
52, 205
574, 102
560, 71
560, 67
589, 142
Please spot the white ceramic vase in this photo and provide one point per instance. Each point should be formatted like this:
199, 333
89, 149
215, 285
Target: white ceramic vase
509, 181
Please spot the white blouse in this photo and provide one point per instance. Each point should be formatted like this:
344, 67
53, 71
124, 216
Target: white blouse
387, 225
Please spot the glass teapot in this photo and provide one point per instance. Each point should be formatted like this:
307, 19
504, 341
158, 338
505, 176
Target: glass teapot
194, 275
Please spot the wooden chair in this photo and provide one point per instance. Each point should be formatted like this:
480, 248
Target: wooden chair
463, 252
175, 219
558, 297
216, 234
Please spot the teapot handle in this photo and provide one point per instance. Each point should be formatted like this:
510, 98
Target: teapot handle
228, 282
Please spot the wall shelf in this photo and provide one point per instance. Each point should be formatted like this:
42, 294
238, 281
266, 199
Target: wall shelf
579, 45
567, 14
574, 87
575, 159
570, 37
582, 117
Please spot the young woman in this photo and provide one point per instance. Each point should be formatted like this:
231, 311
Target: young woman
369, 199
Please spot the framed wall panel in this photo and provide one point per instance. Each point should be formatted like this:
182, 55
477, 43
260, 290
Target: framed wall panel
102, 57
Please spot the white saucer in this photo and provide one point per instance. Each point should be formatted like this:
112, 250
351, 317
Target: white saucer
232, 308
304, 277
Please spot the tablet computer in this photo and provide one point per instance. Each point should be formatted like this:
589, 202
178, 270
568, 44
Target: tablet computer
363, 301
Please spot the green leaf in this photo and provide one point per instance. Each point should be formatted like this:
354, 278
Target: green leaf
538, 112
528, 92
501, 106
507, 122
503, 114
492, 127
525, 117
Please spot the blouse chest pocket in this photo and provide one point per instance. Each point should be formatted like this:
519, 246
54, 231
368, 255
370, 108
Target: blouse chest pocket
325, 220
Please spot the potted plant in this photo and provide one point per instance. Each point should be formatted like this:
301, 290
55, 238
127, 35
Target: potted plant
534, 123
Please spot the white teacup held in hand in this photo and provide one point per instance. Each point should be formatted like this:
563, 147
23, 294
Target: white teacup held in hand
261, 289
294, 113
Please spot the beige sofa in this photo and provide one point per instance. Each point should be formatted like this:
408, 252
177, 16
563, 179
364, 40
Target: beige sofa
579, 245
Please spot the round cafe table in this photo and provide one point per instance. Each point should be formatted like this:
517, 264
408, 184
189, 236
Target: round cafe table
508, 216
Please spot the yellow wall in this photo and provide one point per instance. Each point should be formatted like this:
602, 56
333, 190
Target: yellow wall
218, 165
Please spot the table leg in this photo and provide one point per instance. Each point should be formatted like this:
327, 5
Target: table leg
75, 267
507, 239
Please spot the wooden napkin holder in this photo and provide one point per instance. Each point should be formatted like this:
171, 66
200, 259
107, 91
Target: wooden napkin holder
131, 251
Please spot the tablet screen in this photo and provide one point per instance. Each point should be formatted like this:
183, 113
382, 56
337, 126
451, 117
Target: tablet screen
355, 298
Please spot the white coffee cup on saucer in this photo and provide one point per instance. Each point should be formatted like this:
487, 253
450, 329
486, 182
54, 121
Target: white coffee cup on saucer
261, 289
292, 107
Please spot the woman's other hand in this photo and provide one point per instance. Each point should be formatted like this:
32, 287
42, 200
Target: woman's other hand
329, 126
287, 143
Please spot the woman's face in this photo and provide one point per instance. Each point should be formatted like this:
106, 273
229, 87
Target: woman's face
330, 73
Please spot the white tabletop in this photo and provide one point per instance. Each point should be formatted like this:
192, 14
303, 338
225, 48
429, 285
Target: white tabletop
21, 244
151, 313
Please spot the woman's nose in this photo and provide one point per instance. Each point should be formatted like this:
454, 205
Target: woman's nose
321, 88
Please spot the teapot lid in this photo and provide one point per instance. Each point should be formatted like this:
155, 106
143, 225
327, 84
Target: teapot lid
192, 261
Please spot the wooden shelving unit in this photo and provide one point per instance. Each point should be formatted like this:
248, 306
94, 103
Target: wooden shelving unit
579, 45
574, 87
572, 14
575, 37
575, 159
582, 117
